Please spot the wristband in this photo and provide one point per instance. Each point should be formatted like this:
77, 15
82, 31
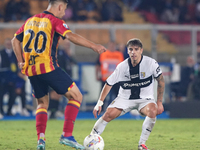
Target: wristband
99, 104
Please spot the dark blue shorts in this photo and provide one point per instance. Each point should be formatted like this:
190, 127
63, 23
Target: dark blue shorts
58, 80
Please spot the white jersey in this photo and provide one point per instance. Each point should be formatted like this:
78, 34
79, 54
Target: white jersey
136, 82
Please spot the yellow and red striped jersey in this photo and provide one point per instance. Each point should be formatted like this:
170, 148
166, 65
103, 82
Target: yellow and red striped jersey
40, 35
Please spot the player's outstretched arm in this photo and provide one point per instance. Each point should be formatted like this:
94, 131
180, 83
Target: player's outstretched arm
160, 92
79, 40
106, 89
16, 44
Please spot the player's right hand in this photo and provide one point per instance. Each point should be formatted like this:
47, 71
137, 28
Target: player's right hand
97, 108
21, 64
99, 48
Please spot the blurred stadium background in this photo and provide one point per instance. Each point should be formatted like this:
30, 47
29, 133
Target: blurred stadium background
169, 30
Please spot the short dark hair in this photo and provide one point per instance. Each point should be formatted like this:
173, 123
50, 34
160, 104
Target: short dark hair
53, 1
134, 42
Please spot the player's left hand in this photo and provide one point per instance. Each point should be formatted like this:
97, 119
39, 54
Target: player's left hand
160, 108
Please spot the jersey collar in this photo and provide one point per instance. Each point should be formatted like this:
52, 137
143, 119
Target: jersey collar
130, 64
47, 12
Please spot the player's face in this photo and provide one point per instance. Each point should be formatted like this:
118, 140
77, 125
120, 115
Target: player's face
135, 53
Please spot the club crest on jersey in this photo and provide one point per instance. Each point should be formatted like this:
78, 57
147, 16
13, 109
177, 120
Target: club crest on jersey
65, 25
142, 74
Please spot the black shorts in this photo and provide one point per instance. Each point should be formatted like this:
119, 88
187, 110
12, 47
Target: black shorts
58, 80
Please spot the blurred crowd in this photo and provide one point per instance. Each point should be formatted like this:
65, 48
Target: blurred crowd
16, 10
78, 10
164, 11
173, 11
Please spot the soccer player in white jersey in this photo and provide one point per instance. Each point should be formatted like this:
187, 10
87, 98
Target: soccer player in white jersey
136, 77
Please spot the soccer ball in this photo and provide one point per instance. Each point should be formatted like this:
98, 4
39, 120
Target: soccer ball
93, 142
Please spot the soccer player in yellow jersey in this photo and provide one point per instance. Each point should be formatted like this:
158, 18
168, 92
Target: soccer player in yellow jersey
37, 59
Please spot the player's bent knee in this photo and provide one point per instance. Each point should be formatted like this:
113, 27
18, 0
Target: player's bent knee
79, 97
76, 95
152, 113
43, 102
107, 117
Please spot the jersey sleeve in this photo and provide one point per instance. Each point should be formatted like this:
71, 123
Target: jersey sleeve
62, 28
156, 69
114, 77
20, 33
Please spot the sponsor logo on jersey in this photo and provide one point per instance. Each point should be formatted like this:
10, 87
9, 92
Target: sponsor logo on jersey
142, 74
65, 25
136, 84
134, 76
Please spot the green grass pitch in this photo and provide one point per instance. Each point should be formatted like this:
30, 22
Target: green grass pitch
170, 134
